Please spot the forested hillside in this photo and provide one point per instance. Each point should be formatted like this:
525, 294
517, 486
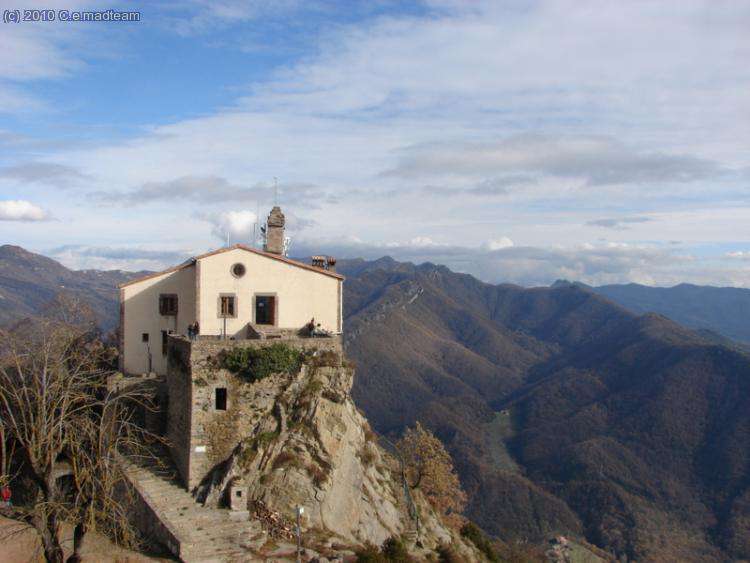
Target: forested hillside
565, 411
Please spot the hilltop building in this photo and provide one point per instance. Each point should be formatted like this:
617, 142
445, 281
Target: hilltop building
235, 292
256, 412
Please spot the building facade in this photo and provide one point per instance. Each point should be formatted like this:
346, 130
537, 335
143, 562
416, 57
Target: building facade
234, 292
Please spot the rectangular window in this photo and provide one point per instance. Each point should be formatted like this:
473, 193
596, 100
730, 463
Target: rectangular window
168, 304
265, 309
220, 403
227, 306
144, 337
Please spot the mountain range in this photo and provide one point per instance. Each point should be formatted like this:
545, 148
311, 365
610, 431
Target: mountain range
29, 281
722, 310
564, 411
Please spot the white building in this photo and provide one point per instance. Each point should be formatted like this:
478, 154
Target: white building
234, 292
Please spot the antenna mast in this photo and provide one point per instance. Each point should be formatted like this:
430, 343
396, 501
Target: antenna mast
257, 223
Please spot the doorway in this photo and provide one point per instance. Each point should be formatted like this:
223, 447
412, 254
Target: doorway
265, 309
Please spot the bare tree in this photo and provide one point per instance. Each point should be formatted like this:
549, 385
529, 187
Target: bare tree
429, 468
67, 429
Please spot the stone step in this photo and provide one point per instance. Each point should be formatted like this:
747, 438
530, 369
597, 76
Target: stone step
204, 534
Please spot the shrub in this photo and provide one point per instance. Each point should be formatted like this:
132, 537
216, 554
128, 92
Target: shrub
367, 455
370, 554
370, 435
324, 358
472, 533
264, 438
317, 474
394, 550
285, 459
446, 554
255, 364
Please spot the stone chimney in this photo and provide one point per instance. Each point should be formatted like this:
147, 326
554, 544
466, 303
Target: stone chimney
275, 231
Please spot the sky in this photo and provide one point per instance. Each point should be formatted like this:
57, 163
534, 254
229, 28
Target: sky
519, 141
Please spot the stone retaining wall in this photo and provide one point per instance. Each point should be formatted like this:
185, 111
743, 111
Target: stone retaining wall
192, 383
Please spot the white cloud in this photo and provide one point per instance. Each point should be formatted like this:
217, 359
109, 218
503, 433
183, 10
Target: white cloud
237, 225
421, 242
19, 210
43, 173
206, 15
594, 159
618, 223
497, 244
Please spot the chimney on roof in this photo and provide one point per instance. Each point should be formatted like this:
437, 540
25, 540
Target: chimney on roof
275, 232
324, 263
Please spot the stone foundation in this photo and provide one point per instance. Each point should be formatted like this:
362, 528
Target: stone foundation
200, 434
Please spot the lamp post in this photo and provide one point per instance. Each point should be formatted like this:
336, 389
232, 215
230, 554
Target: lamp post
300, 512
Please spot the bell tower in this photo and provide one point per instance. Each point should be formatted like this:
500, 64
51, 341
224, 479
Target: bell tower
275, 231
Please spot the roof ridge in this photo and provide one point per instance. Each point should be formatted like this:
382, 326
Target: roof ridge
236, 246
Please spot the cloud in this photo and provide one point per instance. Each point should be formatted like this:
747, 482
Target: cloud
11, 139
209, 189
14, 100
206, 15
739, 255
20, 210
127, 258
619, 223
53, 51
489, 187
421, 242
237, 226
596, 160
593, 264
121, 253
497, 244
44, 173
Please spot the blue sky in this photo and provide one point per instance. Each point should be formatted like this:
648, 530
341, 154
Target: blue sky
519, 141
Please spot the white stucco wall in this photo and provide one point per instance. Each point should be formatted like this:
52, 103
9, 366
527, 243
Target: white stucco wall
300, 293
140, 313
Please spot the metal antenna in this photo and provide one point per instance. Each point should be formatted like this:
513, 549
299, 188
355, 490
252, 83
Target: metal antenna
256, 240
275, 191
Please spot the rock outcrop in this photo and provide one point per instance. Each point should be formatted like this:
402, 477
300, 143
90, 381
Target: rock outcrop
301, 442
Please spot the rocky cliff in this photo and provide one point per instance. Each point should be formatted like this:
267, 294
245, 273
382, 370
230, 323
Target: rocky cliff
297, 440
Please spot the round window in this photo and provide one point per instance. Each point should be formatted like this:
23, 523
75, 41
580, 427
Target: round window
238, 270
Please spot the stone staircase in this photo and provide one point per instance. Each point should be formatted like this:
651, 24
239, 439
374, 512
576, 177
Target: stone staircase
192, 532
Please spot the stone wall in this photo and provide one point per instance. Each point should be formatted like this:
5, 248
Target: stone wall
200, 435
154, 528
179, 404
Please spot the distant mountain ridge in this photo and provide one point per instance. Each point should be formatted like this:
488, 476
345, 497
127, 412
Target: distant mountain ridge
29, 281
722, 310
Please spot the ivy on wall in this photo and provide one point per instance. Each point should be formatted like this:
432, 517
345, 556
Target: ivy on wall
254, 364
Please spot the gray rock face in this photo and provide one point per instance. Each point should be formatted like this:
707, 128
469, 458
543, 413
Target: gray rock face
301, 442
